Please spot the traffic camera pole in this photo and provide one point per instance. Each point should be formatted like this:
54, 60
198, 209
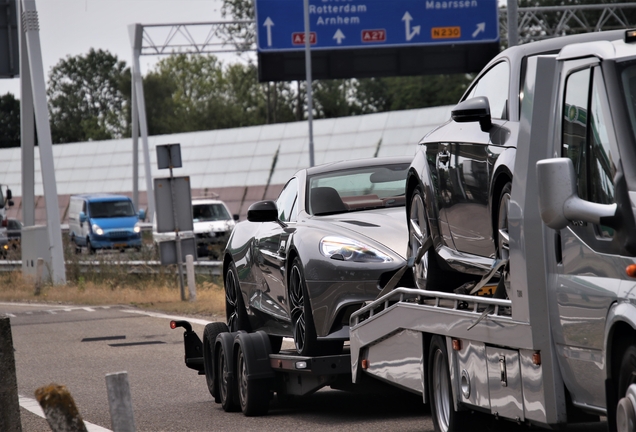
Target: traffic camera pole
177, 238
310, 104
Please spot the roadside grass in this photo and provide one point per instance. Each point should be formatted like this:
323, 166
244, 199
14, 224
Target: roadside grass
112, 280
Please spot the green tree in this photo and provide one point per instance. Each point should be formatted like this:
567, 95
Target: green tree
9, 121
85, 98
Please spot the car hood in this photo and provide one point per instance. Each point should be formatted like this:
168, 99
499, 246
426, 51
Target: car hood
385, 226
212, 226
116, 222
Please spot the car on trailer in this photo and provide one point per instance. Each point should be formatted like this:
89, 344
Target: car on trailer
299, 266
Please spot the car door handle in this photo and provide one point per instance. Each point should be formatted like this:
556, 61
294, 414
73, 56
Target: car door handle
443, 156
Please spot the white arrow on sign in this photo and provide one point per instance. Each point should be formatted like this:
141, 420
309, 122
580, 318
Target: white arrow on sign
339, 36
407, 18
269, 23
481, 27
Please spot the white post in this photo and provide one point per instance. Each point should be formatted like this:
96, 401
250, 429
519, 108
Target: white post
39, 272
190, 274
513, 26
120, 402
27, 131
31, 28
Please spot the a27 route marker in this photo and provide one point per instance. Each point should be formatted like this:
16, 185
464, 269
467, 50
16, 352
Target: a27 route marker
298, 38
377, 35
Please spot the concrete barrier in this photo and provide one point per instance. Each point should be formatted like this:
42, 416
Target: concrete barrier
120, 402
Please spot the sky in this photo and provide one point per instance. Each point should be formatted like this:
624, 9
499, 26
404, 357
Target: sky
73, 27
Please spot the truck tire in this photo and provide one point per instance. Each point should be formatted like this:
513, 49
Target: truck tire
225, 372
210, 333
254, 394
445, 418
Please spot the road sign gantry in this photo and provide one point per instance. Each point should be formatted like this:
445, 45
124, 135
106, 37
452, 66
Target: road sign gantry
347, 24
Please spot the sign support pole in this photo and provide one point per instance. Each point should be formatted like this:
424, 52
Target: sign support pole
310, 105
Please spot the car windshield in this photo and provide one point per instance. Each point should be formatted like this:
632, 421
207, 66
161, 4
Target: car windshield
357, 189
209, 212
110, 209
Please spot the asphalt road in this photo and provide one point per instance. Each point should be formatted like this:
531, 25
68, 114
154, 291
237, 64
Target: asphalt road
77, 347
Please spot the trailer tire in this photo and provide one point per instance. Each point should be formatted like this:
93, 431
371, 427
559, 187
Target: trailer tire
254, 394
225, 372
210, 333
445, 418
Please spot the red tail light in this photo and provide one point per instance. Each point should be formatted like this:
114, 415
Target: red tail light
4, 223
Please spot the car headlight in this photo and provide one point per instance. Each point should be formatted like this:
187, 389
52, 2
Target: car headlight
137, 228
97, 230
345, 249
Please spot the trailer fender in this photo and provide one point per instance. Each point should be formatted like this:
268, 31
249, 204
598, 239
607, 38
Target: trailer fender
256, 350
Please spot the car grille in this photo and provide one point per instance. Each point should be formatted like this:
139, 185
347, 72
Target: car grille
118, 234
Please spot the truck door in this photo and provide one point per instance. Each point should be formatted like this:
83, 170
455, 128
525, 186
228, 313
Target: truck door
586, 254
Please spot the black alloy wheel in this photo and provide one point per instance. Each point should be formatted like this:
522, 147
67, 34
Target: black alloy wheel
234, 310
300, 311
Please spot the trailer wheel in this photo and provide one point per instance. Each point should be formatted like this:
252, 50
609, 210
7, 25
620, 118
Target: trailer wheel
209, 337
227, 383
445, 418
253, 394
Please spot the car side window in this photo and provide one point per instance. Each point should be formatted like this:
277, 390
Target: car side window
586, 140
494, 85
286, 200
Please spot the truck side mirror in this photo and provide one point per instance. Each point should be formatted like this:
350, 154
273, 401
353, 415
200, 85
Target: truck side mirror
235, 217
9, 194
559, 202
82, 217
142, 214
473, 110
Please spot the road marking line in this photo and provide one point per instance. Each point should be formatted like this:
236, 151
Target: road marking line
9, 315
33, 406
87, 309
52, 312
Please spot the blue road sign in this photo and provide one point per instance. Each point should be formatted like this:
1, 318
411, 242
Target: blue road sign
374, 23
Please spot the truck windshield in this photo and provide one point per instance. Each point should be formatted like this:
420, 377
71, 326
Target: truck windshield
209, 212
110, 209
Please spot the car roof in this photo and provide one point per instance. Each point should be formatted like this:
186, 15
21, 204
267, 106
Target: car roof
101, 197
207, 201
358, 163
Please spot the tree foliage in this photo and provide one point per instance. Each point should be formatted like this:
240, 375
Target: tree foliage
85, 98
9, 121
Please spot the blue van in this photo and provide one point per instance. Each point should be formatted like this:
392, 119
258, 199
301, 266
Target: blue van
104, 221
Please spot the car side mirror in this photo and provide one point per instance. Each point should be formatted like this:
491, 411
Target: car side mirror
475, 109
82, 217
9, 195
263, 211
142, 215
236, 217
559, 202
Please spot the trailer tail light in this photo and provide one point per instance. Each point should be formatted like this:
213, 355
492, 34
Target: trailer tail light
457, 344
365, 364
536, 359
301, 365
631, 270
173, 325
4, 223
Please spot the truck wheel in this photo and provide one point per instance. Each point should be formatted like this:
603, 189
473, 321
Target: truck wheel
209, 337
625, 409
227, 384
445, 418
234, 309
503, 243
300, 311
89, 248
253, 394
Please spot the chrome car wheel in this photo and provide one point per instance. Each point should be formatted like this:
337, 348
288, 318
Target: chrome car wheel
234, 311
300, 311
418, 234
503, 239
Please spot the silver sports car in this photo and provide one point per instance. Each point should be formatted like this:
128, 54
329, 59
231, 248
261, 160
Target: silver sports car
300, 265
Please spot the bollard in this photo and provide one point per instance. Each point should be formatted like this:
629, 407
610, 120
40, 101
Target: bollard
59, 408
190, 273
9, 404
120, 402
39, 270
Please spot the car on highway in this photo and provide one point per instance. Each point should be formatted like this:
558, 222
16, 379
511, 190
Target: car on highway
299, 266
14, 232
212, 222
459, 183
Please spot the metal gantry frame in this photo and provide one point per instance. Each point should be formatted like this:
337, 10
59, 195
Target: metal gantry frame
544, 22
168, 39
